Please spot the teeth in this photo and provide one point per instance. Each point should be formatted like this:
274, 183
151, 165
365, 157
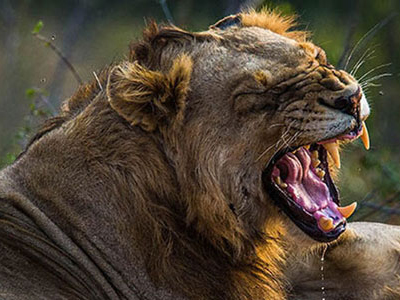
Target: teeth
326, 224
279, 182
333, 149
320, 173
364, 136
314, 159
315, 162
348, 210
314, 154
307, 147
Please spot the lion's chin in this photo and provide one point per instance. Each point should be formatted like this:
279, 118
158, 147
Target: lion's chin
296, 236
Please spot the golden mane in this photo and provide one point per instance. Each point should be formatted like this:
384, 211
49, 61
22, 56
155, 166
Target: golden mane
274, 21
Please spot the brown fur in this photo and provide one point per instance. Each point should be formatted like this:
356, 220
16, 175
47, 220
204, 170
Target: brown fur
145, 97
180, 136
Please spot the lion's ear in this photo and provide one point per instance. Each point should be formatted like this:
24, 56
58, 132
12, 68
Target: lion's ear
147, 98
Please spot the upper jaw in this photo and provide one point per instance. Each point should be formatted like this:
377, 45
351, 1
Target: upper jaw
332, 145
344, 127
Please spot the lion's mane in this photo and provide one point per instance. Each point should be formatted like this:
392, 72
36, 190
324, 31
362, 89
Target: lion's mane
178, 210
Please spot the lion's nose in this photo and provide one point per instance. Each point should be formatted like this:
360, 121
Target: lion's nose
347, 104
350, 104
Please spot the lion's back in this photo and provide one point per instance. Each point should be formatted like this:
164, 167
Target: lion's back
32, 264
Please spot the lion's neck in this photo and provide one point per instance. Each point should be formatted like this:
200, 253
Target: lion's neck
116, 196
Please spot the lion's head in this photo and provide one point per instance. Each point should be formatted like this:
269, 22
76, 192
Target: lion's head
209, 136
249, 111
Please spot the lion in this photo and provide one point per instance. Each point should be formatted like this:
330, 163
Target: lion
200, 167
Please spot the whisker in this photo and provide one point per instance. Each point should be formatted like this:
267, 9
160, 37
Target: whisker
364, 61
365, 57
282, 140
265, 152
366, 37
360, 60
371, 84
276, 125
356, 46
273, 145
292, 138
372, 70
375, 78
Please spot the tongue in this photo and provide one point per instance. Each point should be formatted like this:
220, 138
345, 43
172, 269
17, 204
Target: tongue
307, 189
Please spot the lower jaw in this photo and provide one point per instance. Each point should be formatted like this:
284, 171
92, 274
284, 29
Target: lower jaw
298, 238
306, 223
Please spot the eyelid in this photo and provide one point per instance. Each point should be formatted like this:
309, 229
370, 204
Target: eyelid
249, 86
251, 92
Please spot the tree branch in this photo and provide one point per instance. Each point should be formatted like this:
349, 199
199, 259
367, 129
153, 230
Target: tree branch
354, 20
167, 12
59, 53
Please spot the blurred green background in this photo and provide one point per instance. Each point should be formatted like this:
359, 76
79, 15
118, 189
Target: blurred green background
91, 34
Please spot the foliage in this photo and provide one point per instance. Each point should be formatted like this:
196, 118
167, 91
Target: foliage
39, 110
38, 27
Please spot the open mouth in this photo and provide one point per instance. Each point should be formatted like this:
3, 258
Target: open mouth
299, 181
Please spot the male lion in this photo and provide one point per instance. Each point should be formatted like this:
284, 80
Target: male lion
199, 168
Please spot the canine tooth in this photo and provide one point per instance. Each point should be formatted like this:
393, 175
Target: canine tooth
326, 224
364, 135
333, 150
307, 147
314, 154
320, 173
348, 210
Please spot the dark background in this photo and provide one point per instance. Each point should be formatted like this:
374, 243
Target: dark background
91, 34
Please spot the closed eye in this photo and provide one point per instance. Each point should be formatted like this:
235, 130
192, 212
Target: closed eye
254, 102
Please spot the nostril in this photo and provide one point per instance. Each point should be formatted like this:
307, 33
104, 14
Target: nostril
342, 103
322, 101
346, 104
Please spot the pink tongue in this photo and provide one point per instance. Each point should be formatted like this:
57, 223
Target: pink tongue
305, 187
